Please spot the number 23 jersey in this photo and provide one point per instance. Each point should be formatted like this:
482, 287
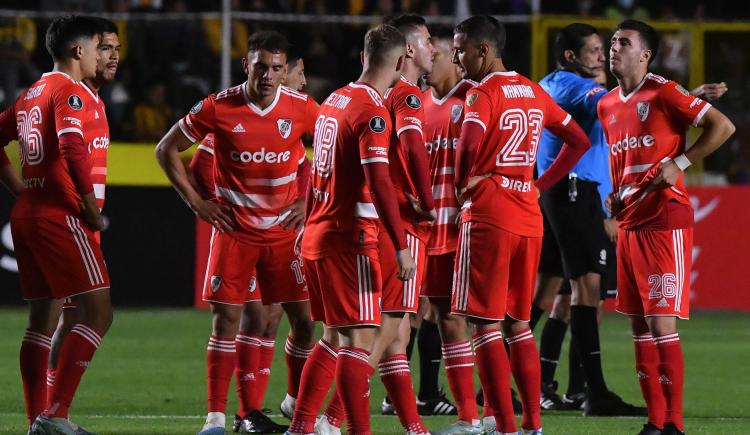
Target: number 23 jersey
513, 111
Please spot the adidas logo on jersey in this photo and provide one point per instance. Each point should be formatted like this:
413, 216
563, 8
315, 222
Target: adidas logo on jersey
662, 303
238, 128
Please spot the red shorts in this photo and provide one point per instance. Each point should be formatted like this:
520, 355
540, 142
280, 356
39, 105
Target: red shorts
495, 273
58, 257
438, 282
400, 296
653, 272
233, 267
345, 289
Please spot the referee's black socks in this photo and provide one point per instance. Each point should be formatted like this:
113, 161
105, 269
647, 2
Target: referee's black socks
550, 344
536, 314
430, 354
585, 330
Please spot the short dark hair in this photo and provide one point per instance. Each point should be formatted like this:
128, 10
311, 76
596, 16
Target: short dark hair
292, 58
380, 41
406, 23
483, 28
64, 31
106, 25
441, 32
269, 40
571, 38
649, 37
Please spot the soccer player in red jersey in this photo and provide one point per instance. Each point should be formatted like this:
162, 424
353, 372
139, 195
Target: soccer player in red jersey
501, 226
96, 137
410, 176
202, 170
351, 191
257, 213
54, 221
644, 121
443, 107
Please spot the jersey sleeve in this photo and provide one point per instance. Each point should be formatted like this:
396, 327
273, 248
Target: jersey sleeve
8, 126
311, 115
408, 112
587, 95
677, 102
69, 110
374, 136
200, 120
478, 108
554, 117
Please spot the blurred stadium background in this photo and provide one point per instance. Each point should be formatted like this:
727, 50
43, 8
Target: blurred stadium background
174, 52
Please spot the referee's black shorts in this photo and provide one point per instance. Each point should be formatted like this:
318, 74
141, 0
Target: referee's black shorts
574, 242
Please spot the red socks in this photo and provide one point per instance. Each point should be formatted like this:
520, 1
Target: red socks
296, 356
494, 372
316, 380
335, 410
396, 377
76, 352
248, 361
354, 371
264, 367
524, 364
220, 362
459, 366
33, 359
671, 376
647, 368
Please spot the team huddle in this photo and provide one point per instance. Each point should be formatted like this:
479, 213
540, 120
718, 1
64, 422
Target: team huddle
411, 194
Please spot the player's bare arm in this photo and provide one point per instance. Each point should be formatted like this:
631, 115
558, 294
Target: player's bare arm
8, 175
717, 128
294, 215
168, 155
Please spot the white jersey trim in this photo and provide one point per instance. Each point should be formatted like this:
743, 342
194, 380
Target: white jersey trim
700, 114
62, 131
636, 169
445, 170
478, 121
446, 215
281, 181
206, 149
246, 199
365, 210
374, 160
184, 130
625, 98
567, 120
99, 191
409, 127
256, 109
374, 95
440, 101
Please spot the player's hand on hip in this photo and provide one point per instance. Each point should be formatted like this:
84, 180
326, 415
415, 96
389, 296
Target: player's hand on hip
613, 203
473, 181
218, 215
668, 175
610, 227
91, 213
298, 242
295, 215
407, 268
427, 215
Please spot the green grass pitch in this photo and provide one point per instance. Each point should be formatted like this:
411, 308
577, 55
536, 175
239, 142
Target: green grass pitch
148, 377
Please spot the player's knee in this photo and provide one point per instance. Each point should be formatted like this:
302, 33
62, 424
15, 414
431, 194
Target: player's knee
302, 329
561, 309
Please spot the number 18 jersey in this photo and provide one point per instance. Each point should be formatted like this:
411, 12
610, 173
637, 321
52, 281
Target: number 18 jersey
513, 111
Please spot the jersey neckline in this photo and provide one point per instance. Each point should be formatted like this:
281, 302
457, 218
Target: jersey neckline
624, 98
440, 101
256, 109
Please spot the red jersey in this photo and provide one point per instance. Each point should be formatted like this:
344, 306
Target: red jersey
513, 111
202, 167
54, 105
256, 155
642, 130
406, 113
96, 137
353, 129
442, 128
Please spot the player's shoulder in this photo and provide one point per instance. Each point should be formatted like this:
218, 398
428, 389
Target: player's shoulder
228, 96
293, 94
364, 95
